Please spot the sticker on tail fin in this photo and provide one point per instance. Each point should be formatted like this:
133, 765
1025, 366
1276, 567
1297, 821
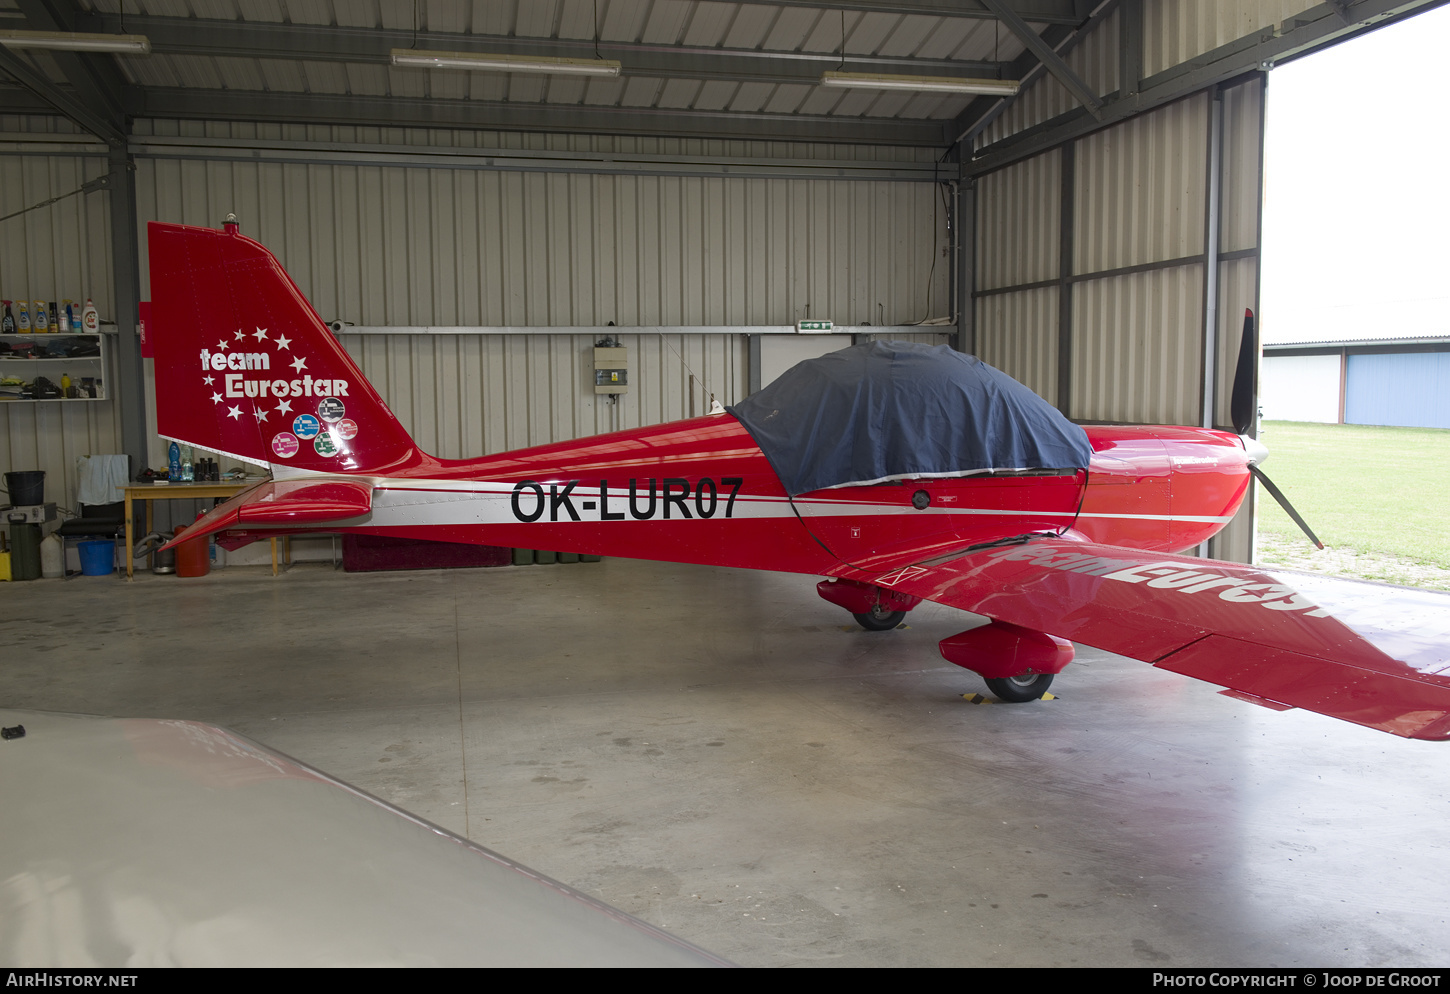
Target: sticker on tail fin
244, 363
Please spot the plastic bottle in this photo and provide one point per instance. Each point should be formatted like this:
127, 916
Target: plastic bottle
7, 323
90, 317
23, 323
173, 463
42, 319
62, 323
65, 390
188, 468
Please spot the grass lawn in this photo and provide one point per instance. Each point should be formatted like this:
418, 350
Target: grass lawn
1369, 489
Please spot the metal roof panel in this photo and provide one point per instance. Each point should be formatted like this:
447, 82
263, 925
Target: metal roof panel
282, 74
366, 80
667, 19
678, 93
752, 21
788, 98
710, 22
791, 27
715, 94
910, 33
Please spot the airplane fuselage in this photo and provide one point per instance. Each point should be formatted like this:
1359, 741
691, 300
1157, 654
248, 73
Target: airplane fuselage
702, 491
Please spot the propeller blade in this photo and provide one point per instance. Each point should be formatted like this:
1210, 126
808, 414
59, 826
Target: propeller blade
1284, 503
1241, 401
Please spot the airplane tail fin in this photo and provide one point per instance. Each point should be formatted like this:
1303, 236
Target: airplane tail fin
245, 367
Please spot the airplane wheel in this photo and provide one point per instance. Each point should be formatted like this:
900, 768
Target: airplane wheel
879, 620
1020, 689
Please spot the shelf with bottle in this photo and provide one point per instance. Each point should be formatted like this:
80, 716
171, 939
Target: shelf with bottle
53, 366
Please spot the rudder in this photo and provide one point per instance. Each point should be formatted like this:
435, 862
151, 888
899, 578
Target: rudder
247, 368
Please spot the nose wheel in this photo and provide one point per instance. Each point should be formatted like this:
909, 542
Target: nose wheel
1020, 689
878, 619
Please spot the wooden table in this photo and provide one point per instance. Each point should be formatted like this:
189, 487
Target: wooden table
151, 492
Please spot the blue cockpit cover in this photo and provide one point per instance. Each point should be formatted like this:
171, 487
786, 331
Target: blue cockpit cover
896, 410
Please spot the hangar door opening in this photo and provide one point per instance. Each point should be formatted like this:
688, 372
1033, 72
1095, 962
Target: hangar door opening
1356, 306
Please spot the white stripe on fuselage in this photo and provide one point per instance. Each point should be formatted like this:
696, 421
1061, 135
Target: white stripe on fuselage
400, 502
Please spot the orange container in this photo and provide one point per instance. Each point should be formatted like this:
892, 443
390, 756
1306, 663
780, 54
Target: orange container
193, 558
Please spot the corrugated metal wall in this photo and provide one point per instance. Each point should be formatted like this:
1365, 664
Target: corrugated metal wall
463, 395
52, 253
1137, 338
399, 246
1407, 389
1175, 31
471, 246
1017, 243
1139, 201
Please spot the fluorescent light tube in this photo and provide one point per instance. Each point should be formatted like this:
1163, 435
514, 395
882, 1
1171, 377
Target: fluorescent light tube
504, 63
72, 41
931, 84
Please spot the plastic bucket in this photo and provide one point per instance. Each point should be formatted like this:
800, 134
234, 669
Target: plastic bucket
98, 558
193, 558
27, 487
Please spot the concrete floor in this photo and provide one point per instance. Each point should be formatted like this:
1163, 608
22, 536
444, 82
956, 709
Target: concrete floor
724, 754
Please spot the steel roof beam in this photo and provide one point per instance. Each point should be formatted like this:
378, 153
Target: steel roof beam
1037, 11
250, 39
1050, 59
1041, 11
62, 101
97, 85
612, 163
253, 105
984, 110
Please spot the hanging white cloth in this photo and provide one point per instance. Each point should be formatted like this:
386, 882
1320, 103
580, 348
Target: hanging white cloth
100, 478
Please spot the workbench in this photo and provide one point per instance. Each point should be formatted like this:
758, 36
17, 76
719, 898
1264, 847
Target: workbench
152, 492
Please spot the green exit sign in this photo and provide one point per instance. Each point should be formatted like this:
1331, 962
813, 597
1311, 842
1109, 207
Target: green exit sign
815, 326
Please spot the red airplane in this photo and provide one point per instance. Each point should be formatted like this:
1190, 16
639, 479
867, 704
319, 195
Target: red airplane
899, 472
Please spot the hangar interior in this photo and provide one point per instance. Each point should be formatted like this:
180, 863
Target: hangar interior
715, 750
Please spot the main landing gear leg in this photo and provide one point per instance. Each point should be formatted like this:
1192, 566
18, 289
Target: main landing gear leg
875, 609
1017, 663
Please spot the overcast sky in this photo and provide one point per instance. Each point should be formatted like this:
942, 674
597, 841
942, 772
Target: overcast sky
1357, 189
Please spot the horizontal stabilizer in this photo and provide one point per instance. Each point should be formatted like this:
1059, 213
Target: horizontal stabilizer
290, 504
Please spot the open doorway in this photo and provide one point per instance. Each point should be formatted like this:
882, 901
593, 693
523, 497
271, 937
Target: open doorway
1355, 382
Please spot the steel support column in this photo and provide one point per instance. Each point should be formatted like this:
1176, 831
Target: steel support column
1130, 46
964, 266
1211, 224
1067, 208
130, 392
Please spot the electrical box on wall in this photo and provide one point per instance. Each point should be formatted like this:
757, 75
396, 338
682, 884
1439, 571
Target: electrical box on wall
611, 368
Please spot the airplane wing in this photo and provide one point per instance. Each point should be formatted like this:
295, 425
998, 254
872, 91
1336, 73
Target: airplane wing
285, 503
141, 842
1364, 652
